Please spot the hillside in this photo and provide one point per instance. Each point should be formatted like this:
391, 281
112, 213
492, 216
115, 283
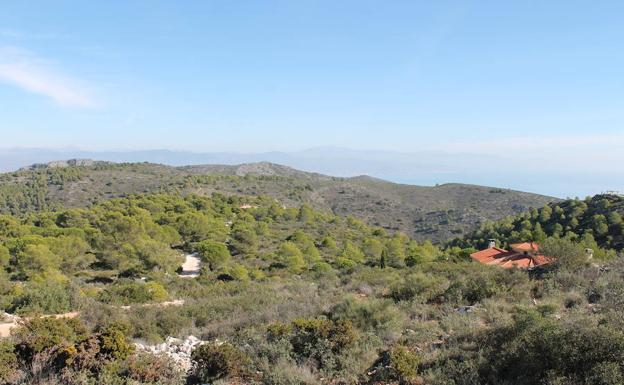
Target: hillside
437, 213
599, 218
285, 296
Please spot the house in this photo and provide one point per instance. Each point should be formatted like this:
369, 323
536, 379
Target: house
524, 255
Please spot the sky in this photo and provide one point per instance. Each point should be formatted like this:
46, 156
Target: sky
538, 82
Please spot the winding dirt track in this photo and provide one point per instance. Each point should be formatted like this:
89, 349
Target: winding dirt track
5, 328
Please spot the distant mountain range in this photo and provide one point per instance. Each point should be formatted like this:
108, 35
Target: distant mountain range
499, 168
437, 213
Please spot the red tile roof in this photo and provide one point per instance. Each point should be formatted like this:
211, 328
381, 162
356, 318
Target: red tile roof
489, 255
521, 257
525, 246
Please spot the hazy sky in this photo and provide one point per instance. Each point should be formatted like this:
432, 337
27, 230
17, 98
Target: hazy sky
515, 77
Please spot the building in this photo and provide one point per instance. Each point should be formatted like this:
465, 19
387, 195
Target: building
524, 255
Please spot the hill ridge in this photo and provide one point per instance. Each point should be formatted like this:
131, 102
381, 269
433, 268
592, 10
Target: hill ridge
438, 212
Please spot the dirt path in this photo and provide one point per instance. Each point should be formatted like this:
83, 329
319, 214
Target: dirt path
191, 266
5, 328
190, 269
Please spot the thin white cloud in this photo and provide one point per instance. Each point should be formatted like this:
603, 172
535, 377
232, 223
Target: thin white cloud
29, 72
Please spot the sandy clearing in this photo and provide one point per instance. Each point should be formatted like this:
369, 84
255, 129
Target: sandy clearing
191, 266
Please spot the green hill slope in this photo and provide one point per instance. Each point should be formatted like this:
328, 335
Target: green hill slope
599, 217
285, 295
437, 213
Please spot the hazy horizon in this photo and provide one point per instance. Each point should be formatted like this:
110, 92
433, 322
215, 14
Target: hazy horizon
425, 168
467, 83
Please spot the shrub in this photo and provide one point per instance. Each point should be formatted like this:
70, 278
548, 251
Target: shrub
114, 343
290, 254
8, 363
150, 368
472, 289
399, 364
318, 342
536, 349
215, 254
419, 285
39, 334
128, 292
308, 334
47, 297
568, 255
213, 362
379, 316
239, 272
404, 363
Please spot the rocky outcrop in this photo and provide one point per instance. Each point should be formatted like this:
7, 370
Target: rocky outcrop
63, 163
179, 350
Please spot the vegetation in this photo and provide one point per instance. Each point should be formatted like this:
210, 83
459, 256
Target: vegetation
424, 213
53, 261
294, 295
596, 221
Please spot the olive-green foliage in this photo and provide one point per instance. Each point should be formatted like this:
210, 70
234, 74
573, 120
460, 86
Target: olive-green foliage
8, 362
239, 272
598, 218
196, 226
379, 316
393, 206
135, 237
5, 257
114, 344
419, 286
319, 341
404, 363
46, 297
536, 349
39, 334
352, 253
567, 254
347, 303
215, 254
399, 364
395, 256
147, 368
61, 350
292, 257
125, 292
244, 239
216, 361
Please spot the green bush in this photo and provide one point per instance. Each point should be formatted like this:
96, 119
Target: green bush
47, 297
378, 316
113, 343
39, 334
215, 254
535, 350
8, 363
418, 285
126, 292
404, 363
315, 341
148, 368
213, 362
